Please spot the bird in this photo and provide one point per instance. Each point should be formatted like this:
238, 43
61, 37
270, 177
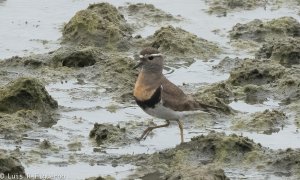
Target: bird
159, 97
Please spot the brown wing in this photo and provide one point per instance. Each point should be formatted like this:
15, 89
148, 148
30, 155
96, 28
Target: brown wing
174, 98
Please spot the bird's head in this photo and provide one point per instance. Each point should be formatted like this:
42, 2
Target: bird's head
150, 60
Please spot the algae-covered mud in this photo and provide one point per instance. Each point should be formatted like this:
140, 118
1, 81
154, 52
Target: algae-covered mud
99, 25
66, 104
25, 103
251, 34
147, 14
222, 7
180, 43
10, 165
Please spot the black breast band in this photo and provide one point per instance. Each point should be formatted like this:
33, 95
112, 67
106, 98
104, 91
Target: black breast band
150, 103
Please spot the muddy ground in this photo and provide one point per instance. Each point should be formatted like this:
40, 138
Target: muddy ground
72, 108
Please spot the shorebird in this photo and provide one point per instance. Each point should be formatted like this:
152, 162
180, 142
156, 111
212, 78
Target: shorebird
159, 97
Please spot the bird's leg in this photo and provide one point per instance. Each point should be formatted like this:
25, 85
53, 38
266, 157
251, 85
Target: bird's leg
181, 129
149, 129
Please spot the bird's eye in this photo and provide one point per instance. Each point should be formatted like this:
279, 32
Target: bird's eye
150, 57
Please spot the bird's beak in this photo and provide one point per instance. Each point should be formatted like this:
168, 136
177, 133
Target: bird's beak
138, 65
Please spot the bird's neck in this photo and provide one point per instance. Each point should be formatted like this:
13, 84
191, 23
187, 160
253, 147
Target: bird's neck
150, 78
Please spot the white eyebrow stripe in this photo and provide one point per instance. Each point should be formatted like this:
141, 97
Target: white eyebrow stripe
153, 55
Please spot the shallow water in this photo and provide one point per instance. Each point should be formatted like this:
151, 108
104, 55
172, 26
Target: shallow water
77, 171
252, 108
34, 27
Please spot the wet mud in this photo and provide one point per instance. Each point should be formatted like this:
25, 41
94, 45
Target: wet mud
285, 51
11, 166
107, 133
88, 98
266, 122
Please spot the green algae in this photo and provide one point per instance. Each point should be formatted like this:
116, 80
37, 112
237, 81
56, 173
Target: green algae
45, 144
10, 166
288, 86
260, 31
220, 90
200, 158
218, 94
24, 104
121, 69
147, 14
175, 164
107, 133
286, 163
254, 93
224, 149
268, 121
101, 178
253, 71
99, 25
227, 64
245, 45
287, 26
252, 89
225, 6
297, 118
180, 43
25, 93
91, 64
81, 57
285, 51
96, 65
75, 146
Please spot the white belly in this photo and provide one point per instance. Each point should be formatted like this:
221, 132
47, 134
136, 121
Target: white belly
162, 112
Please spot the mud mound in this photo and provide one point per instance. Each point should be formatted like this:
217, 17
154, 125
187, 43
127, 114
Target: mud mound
255, 94
289, 86
222, 148
11, 167
113, 69
178, 42
25, 103
224, 6
219, 95
268, 121
145, 14
99, 25
25, 94
121, 69
256, 72
260, 31
107, 133
187, 172
286, 163
101, 178
255, 80
100, 66
75, 58
227, 64
196, 159
285, 51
